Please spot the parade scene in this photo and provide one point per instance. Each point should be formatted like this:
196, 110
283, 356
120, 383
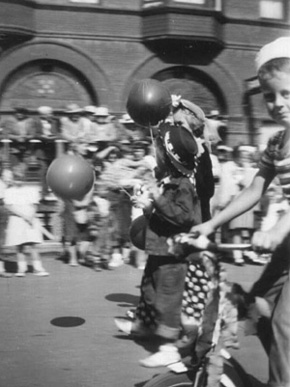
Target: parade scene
144, 193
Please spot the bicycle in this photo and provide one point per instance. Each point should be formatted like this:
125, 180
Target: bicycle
182, 375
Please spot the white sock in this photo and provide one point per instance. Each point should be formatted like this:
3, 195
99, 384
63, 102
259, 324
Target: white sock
2, 267
37, 265
22, 266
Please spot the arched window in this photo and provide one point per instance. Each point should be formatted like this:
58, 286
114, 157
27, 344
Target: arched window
46, 83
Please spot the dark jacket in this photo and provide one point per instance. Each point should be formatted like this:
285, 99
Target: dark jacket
176, 210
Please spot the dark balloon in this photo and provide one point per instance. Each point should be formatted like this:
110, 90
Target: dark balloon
149, 102
138, 232
70, 177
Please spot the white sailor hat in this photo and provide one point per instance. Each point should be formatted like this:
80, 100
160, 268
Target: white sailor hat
279, 48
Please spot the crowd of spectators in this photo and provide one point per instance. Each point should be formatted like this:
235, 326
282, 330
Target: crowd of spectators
36, 138
122, 155
118, 151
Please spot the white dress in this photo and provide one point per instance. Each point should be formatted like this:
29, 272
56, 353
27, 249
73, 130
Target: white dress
18, 230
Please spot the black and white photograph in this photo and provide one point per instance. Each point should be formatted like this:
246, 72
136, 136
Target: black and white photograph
144, 193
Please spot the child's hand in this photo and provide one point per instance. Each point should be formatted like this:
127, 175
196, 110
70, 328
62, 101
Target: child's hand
141, 201
203, 229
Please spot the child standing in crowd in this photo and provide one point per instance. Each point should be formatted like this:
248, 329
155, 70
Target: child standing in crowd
170, 209
75, 222
23, 229
99, 249
273, 66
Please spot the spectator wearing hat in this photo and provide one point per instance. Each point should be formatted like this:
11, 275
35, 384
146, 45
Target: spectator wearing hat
108, 188
89, 117
74, 129
134, 131
103, 129
140, 172
47, 131
48, 126
169, 209
19, 128
107, 127
122, 171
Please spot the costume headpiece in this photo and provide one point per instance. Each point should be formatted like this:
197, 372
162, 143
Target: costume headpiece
180, 146
180, 103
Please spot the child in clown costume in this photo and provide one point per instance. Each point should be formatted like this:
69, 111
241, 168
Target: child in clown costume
187, 114
169, 209
198, 280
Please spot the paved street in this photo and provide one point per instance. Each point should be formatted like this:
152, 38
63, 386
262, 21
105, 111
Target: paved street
59, 330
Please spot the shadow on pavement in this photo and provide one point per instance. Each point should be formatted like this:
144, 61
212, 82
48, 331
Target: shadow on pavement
124, 299
67, 321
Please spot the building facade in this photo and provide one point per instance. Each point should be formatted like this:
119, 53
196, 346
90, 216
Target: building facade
56, 52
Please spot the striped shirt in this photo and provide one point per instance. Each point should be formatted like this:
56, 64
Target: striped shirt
276, 163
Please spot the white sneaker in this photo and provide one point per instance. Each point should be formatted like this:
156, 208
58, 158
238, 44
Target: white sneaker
116, 261
167, 354
124, 325
42, 273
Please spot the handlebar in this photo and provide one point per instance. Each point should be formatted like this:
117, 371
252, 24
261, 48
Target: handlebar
230, 246
193, 242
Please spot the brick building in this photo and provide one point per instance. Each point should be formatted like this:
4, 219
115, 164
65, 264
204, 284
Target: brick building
55, 52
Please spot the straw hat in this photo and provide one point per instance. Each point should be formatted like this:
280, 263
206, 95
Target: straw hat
102, 111
45, 110
90, 109
73, 108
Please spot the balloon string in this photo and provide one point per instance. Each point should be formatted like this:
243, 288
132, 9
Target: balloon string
153, 143
124, 190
